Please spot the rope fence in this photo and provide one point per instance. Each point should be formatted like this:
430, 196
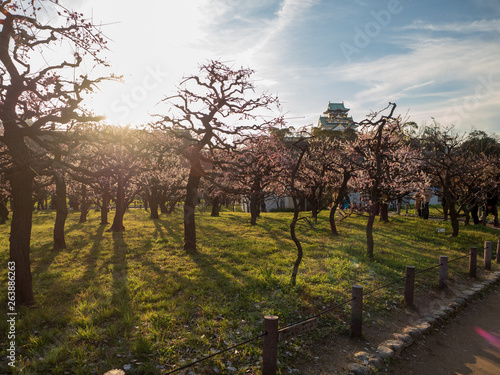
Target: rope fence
272, 334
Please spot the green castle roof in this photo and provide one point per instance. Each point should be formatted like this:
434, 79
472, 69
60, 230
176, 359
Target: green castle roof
336, 107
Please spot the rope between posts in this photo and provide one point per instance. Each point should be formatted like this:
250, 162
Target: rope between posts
217, 353
384, 286
462, 257
439, 265
334, 307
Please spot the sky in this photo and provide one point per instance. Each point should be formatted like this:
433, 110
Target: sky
437, 60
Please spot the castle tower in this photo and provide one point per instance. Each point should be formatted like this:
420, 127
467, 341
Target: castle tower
336, 118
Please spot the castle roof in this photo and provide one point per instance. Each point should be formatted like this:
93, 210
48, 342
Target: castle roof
336, 107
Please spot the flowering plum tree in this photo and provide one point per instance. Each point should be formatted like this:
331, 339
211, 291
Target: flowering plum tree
37, 96
208, 112
251, 170
456, 170
385, 165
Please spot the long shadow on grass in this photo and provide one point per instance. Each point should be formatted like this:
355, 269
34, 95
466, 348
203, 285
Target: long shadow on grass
166, 229
93, 255
46, 258
280, 235
121, 296
232, 284
158, 233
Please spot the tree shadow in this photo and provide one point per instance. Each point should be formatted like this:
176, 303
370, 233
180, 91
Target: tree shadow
119, 272
121, 298
93, 255
46, 257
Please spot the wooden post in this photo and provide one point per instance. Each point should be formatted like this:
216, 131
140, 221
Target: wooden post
487, 255
409, 285
357, 311
270, 350
443, 271
498, 250
473, 262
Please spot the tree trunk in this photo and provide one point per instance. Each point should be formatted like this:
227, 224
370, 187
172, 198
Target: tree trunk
467, 216
171, 206
163, 205
106, 199
384, 212
21, 182
61, 213
216, 204
314, 207
4, 212
445, 210
117, 225
189, 212
85, 205
341, 195
455, 224
263, 207
255, 197
153, 204
293, 224
333, 225
300, 252
254, 202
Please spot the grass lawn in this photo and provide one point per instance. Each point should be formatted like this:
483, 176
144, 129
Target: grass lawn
136, 299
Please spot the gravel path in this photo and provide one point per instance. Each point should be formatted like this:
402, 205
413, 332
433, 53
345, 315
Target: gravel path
456, 347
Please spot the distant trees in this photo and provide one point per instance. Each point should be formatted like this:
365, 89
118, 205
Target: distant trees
458, 167
163, 180
119, 163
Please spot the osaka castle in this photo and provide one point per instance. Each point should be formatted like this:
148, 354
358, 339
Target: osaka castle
335, 118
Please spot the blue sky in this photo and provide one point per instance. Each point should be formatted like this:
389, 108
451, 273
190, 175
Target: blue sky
435, 59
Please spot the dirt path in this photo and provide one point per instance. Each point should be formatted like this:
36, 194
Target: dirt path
456, 348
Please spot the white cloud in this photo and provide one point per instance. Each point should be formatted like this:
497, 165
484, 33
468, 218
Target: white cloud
430, 61
482, 26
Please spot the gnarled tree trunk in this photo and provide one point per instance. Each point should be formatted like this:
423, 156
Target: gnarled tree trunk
21, 182
153, 204
106, 199
117, 225
84, 205
216, 205
255, 201
384, 212
189, 212
300, 252
342, 193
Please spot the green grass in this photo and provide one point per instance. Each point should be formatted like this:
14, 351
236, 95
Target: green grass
138, 299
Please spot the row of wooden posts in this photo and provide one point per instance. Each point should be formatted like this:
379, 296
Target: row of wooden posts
273, 335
